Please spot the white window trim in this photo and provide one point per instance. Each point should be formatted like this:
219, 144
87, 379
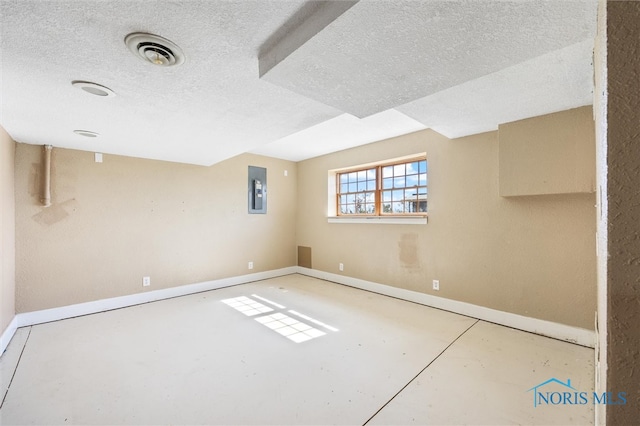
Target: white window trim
380, 220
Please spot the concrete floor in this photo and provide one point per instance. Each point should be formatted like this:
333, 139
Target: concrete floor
292, 350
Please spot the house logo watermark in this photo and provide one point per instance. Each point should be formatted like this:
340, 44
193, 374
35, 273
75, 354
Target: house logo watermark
557, 392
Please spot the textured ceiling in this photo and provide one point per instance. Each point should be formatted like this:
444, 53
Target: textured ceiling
369, 60
459, 67
552, 82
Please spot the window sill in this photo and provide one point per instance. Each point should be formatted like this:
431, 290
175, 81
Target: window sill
419, 220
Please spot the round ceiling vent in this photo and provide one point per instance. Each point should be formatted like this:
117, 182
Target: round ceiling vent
86, 133
93, 88
154, 49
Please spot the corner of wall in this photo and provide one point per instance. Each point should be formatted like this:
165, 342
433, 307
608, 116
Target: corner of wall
7, 334
7, 234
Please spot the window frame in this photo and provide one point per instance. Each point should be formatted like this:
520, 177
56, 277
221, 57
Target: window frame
378, 210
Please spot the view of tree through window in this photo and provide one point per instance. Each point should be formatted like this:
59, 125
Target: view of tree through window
391, 189
358, 192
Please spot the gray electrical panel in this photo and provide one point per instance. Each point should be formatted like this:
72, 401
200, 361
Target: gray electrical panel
257, 190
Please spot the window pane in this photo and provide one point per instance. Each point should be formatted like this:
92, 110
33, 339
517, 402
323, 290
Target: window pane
412, 168
401, 187
409, 207
410, 193
399, 182
371, 197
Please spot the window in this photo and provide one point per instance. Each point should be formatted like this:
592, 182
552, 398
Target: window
386, 189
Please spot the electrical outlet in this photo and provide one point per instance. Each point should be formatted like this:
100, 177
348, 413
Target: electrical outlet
436, 284
341, 266
146, 281
250, 265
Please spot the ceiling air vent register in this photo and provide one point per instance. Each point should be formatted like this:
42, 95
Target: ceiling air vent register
154, 49
93, 88
86, 133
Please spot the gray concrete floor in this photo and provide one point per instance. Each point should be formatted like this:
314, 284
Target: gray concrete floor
292, 350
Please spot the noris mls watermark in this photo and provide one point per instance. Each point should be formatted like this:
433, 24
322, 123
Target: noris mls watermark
568, 395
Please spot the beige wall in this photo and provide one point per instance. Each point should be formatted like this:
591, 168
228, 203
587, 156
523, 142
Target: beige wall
533, 255
7, 230
114, 222
550, 154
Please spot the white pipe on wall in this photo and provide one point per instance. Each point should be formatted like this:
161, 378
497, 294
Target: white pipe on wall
46, 190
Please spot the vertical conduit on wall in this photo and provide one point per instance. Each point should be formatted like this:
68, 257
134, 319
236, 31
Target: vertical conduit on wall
46, 187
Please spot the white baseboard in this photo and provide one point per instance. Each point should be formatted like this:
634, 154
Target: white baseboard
567, 333
7, 334
580, 336
70, 311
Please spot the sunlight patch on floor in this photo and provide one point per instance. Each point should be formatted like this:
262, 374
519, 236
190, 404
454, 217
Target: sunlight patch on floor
271, 302
247, 306
282, 324
289, 327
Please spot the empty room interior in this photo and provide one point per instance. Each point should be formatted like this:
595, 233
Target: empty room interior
319, 212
